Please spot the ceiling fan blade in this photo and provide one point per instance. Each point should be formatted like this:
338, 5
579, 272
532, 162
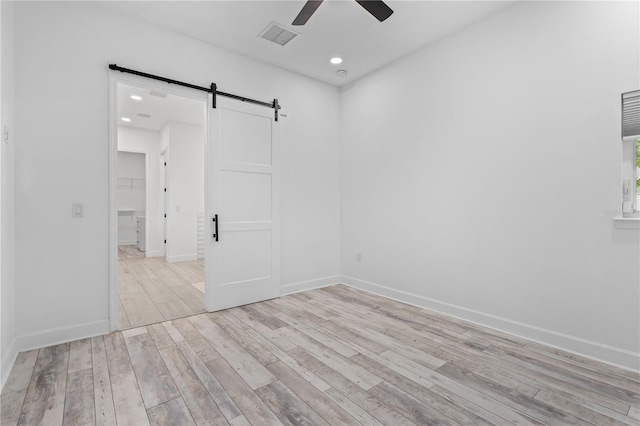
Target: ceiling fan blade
377, 8
307, 10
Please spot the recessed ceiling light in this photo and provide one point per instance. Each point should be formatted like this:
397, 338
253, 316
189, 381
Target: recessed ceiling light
136, 97
143, 115
341, 73
336, 60
125, 119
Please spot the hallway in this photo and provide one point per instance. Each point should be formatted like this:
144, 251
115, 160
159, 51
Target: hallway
151, 291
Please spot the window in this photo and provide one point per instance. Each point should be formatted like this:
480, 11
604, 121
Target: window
637, 208
631, 153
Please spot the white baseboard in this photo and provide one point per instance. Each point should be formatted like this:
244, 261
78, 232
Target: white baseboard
7, 363
182, 258
154, 253
128, 243
608, 354
61, 335
56, 336
308, 285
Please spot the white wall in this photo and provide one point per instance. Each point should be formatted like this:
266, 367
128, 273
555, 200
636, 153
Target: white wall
62, 53
185, 190
478, 175
7, 218
1, 206
140, 140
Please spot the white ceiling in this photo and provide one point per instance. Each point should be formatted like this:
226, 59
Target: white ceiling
161, 110
338, 28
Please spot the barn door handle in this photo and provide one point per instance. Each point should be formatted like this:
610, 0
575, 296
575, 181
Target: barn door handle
215, 231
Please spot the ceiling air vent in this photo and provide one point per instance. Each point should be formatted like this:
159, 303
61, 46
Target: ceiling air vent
277, 34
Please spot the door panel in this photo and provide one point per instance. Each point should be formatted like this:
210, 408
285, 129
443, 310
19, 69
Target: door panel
247, 256
245, 197
245, 138
243, 265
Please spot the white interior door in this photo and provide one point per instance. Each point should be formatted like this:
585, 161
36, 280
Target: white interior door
243, 265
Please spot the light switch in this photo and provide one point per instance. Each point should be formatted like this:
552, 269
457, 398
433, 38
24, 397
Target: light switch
77, 210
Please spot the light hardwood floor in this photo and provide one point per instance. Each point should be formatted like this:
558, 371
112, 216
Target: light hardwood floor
151, 291
334, 356
129, 252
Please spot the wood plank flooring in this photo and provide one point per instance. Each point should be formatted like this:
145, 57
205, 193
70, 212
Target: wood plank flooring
151, 290
332, 356
129, 252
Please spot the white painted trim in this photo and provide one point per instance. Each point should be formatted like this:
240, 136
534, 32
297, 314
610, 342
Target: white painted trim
627, 222
589, 349
182, 258
112, 156
209, 205
7, 363
166, 195
154, 253
286, 289
55, 336
127, 243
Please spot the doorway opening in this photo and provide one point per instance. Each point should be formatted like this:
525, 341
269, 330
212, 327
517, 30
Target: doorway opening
159, 161
132, 203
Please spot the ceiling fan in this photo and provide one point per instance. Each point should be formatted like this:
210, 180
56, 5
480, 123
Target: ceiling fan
375, 7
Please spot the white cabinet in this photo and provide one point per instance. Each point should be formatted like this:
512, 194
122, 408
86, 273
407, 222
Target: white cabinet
127, 227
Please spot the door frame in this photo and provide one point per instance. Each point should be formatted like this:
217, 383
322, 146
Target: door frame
145, 83
164, 204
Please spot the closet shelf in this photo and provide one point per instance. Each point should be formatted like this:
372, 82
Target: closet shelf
131, 183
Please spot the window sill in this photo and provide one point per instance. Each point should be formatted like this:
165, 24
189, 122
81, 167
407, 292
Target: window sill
627, 222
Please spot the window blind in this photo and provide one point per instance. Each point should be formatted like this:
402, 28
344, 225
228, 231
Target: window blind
631, 114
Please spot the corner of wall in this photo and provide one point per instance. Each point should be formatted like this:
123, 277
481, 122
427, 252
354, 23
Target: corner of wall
44, 339
459, 250
8, 359
1, 352
8, 350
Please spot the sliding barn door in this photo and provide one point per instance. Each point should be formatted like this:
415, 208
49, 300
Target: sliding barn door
242, 255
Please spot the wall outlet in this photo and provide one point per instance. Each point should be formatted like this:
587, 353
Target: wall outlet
359, 257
